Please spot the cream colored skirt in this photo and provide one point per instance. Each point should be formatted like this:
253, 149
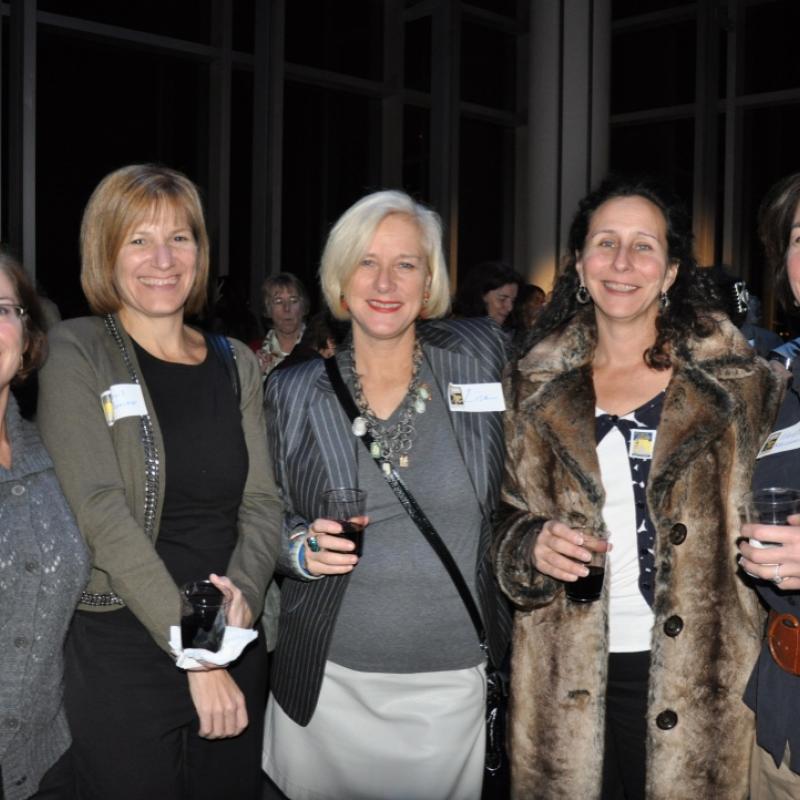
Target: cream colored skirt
382, 736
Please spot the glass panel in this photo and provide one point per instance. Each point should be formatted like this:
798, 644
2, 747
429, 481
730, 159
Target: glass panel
770, 39
338, 36
485, 195
331, 158
664, 150
631, 8
182, 19
244, 18
237, 317
417, 151
769, 137
653, 68
508, 8
488, 61
417, 59
99, 107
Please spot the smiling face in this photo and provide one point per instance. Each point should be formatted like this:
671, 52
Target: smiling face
12, 334
156, 266
385, 293
285, 308
625, 262
500, 301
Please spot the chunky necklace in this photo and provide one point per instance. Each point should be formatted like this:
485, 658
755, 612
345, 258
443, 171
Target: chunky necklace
391, 443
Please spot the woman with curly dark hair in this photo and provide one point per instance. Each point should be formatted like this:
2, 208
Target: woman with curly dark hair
634, 416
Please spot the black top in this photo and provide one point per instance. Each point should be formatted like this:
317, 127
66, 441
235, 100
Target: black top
773, 693
205, 463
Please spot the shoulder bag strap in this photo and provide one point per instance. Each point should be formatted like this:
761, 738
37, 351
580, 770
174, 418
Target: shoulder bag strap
409, 503
224, 351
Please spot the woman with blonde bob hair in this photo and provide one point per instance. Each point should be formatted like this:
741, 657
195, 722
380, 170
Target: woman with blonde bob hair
378, 670
156, 431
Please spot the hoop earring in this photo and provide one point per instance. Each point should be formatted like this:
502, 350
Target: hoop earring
582, 295
663, 301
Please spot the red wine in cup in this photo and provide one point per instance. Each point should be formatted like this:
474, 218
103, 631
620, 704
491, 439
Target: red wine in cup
353, 531
588, 589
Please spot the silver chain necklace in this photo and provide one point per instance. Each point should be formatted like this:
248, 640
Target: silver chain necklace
391, 443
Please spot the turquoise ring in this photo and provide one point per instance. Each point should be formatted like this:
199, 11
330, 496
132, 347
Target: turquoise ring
313, 544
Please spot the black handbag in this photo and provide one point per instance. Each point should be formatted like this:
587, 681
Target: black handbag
496, 679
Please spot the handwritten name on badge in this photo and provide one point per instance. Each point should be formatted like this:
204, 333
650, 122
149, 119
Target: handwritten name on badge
781, 441
122, 400
642, 443
475, 397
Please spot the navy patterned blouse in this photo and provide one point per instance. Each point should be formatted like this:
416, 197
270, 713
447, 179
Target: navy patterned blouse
639, 430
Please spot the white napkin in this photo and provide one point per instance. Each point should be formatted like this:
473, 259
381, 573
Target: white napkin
233, 642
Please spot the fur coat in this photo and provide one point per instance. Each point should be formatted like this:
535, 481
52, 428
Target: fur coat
717, 411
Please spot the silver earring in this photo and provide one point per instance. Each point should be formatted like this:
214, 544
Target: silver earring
663, 301
582, 295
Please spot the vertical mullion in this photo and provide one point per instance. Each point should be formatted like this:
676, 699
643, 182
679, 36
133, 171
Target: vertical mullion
392, 102
220, 135
22, 132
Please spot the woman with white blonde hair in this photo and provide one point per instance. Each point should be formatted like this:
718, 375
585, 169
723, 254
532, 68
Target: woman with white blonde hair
378, 671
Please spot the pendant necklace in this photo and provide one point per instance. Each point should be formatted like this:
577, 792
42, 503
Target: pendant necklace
391, 443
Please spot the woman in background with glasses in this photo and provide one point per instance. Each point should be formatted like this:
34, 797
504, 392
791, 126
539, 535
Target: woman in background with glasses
43, 567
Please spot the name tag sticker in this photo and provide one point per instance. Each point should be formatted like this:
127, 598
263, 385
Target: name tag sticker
475, 397
781, 441
122, 400
642, 443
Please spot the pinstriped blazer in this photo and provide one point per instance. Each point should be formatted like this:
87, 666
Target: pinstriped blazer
314, 449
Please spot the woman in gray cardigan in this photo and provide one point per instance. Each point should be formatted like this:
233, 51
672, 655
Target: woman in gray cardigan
43, 567
157, 434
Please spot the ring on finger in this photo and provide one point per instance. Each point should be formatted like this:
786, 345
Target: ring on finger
777, 577
313, 544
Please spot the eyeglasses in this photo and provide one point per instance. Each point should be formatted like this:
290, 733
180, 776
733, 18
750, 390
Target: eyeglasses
285, 301
9, 310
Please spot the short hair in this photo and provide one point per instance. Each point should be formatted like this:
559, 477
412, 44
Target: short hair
285, 280
121, 200
33, 328
775, 218
351, 236
693, 295
483, 278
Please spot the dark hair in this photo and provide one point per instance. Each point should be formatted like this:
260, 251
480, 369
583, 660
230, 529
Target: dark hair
692, 296
775, 218
322, 327
734, 295
480, 279
35, 340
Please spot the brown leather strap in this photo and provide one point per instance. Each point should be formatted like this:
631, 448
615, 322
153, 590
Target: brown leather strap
783, 637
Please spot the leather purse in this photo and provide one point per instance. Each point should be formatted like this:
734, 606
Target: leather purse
496, 679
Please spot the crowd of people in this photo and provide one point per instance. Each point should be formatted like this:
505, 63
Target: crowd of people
553, 488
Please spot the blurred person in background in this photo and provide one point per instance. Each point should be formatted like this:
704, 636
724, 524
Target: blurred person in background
286, 306
489, 290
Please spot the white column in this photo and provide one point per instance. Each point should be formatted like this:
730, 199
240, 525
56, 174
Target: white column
568, 112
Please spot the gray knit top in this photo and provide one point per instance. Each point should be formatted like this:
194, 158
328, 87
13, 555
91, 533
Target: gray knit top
44, 565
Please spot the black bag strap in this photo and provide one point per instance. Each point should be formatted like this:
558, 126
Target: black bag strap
224, 351
409, 503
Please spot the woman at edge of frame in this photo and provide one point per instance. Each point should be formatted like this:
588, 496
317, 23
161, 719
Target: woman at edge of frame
637, 694
773, 692
378, 672
124, 398
44, 565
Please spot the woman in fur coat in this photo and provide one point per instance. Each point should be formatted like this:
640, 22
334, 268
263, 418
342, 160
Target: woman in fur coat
634, 414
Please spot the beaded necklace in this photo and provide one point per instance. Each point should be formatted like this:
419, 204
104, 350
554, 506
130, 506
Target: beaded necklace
391, 443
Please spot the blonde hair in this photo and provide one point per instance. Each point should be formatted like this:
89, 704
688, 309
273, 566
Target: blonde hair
351, 236
121, 200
